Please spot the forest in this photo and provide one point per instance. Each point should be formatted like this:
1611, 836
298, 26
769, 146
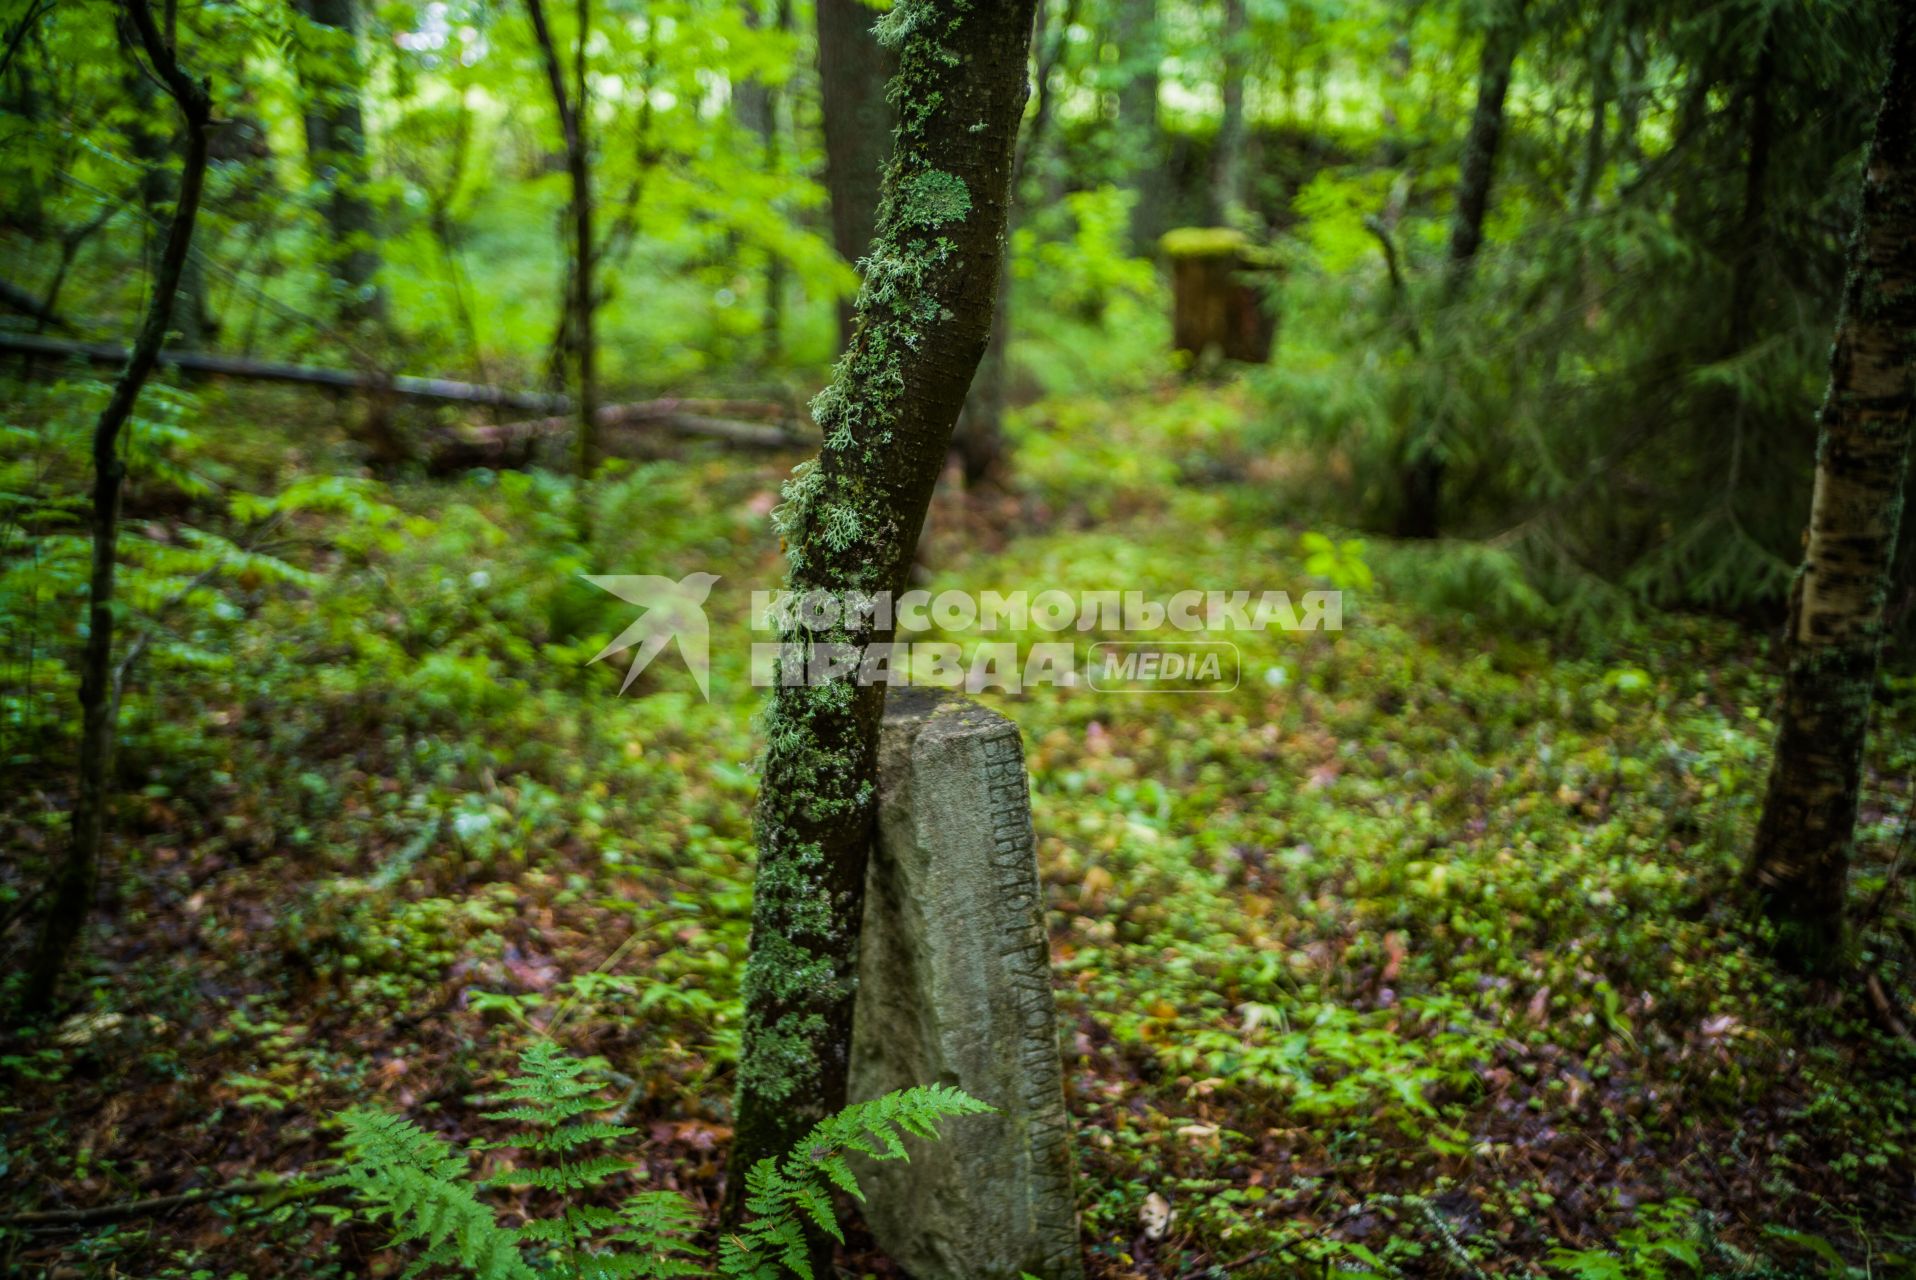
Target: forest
957, 639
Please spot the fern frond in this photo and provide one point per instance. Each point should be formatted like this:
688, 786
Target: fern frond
576, 1224
658, 1230
401, 1171
572, 1175
568, 1137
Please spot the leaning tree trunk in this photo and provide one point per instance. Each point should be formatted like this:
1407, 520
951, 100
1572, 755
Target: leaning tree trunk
853, 69
1423, 464
336, 152
74, 883
1799, 864
581, 296
1227, 156
852, 525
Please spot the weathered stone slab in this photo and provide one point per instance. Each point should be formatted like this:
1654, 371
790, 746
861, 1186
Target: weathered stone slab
955, 988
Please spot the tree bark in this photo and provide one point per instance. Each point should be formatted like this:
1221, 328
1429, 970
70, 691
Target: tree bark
336, 153
853, 69
852, 524
581, 296
1141, 53
1227, 156
74, 884
1421, 512
1799, 863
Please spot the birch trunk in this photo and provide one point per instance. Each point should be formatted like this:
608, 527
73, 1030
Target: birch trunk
1799, 864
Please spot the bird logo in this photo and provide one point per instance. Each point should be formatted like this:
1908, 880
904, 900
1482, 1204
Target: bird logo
673, 611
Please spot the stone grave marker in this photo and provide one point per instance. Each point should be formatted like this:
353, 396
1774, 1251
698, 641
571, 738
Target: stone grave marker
955, 988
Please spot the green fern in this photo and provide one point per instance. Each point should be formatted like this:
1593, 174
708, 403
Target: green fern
776, 1195
401, 1172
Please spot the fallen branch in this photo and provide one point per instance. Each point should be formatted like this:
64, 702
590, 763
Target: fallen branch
14, 298
1880, 1005
125, 1209
507, 444
401, 385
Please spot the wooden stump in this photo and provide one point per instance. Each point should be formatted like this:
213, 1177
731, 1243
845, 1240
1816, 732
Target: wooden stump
1217, 301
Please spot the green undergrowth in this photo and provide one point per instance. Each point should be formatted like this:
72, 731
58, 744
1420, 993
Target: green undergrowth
1417, 949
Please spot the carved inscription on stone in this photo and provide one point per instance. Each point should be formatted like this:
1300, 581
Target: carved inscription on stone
955, 987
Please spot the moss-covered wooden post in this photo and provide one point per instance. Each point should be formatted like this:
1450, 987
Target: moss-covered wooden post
1218, 302
851, 524
1799, 864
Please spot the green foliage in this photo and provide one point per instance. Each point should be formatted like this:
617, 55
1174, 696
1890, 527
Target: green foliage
1664, 1243
397, 1171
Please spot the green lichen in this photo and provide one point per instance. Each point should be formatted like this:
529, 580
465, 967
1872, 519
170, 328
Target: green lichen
932, 197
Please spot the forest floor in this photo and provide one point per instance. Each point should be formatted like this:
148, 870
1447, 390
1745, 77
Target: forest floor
1416, 953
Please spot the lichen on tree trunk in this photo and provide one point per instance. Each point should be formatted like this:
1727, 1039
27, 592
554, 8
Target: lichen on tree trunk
1799, 863
851, 524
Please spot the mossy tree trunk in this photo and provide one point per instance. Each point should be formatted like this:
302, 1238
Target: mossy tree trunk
1799, 864
1216, 303
853, 69
1420, 514
851, 524
336, 153
73, 886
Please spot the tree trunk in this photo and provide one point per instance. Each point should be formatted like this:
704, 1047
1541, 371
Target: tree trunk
154, 148
74, 884
979, 438
1227, 156
581, 297
852, 524
758, 110
1630, 97
1602, 90
336, 153
1799, 864
1481, 144
1141, 53
1750, 226
853, 69
1421, 511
